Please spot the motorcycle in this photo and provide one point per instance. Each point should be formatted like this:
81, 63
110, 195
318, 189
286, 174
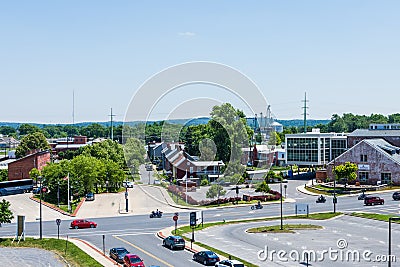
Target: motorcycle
156, 214
256, 207
321, 199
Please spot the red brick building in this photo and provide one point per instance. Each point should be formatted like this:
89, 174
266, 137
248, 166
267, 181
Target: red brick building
376, 159
20, 168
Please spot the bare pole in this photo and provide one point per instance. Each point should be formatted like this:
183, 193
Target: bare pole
112, 129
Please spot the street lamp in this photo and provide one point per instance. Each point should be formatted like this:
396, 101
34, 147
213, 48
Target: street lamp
281, 206
334, 186
126, 195
390, 239
40, 206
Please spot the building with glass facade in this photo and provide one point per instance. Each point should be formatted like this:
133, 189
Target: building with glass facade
314, 148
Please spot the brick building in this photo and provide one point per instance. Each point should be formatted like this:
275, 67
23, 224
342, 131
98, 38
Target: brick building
377, 161
20, 168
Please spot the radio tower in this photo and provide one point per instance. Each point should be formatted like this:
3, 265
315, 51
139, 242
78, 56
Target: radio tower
112, 130
305, 111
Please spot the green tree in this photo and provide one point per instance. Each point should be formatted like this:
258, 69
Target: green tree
7, 130
3, 175
274, 139
31, 141
346, 171
263, 187
94, 130
134, 152
215, 190
106, 150
6, 214
394, 118
25, 129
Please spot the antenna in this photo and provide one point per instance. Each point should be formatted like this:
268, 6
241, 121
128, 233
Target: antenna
73, 107
112, 130
305, 111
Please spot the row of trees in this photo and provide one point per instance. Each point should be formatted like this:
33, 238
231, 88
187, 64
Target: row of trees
93, 130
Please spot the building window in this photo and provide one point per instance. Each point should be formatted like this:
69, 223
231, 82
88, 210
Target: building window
386, 177
363, 176
363, 158
191, 170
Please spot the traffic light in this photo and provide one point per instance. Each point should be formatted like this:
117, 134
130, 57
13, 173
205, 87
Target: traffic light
237, 190
193, 219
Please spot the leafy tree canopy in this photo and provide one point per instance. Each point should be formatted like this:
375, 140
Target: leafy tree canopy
31, 141
6, 214
215, 190
346, 171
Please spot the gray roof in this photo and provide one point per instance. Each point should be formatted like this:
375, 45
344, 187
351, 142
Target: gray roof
374, 133
385, 148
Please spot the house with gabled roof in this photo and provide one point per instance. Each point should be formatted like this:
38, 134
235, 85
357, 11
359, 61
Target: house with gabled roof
378, 161
181, 165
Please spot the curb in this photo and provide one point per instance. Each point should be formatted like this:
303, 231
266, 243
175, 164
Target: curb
95, 249
51, 206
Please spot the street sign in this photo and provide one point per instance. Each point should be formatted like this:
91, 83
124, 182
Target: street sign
175, 218
193, 218
58, 221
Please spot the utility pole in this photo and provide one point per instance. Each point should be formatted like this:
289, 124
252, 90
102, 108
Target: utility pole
112, 130
305, 111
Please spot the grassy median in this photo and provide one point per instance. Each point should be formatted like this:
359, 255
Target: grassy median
373, 216
64, 249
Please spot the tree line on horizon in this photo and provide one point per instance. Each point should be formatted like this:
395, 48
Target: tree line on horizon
164, 130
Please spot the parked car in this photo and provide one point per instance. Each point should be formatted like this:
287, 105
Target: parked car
118, 254
174, 242
372, 200
396, 196
206, 257
133, 260
229, 263
89, 196
83, 223
128, 184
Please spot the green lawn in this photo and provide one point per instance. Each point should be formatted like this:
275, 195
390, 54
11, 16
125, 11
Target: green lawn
373, 216
73, 255
286, 228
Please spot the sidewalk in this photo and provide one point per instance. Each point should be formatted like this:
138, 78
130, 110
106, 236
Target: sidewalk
94, 252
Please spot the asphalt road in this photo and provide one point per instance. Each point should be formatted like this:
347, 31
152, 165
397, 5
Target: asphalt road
137, 232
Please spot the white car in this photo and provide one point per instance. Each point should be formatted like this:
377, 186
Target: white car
229, 263
128, 184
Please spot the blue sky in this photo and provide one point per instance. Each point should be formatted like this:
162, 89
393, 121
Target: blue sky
344, 54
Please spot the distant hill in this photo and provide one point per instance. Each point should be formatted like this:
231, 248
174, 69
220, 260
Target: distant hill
300, 123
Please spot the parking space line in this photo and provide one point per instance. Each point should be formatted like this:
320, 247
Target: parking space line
144, 251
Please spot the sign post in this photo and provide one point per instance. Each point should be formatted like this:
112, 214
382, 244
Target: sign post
58, 222
175, 218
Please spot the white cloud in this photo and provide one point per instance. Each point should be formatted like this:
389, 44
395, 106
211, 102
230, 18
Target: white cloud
188, 34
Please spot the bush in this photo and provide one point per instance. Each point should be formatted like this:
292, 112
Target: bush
204, 182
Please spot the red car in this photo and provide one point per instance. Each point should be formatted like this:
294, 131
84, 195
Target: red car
133, 260
82, 223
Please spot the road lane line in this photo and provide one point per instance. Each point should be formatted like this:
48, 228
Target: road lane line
144, 251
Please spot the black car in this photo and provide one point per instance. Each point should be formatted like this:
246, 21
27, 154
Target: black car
90, 196
174, 242
206, 257
396, 196
118, 254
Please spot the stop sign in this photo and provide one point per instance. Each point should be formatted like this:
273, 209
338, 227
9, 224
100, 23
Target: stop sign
175, 218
